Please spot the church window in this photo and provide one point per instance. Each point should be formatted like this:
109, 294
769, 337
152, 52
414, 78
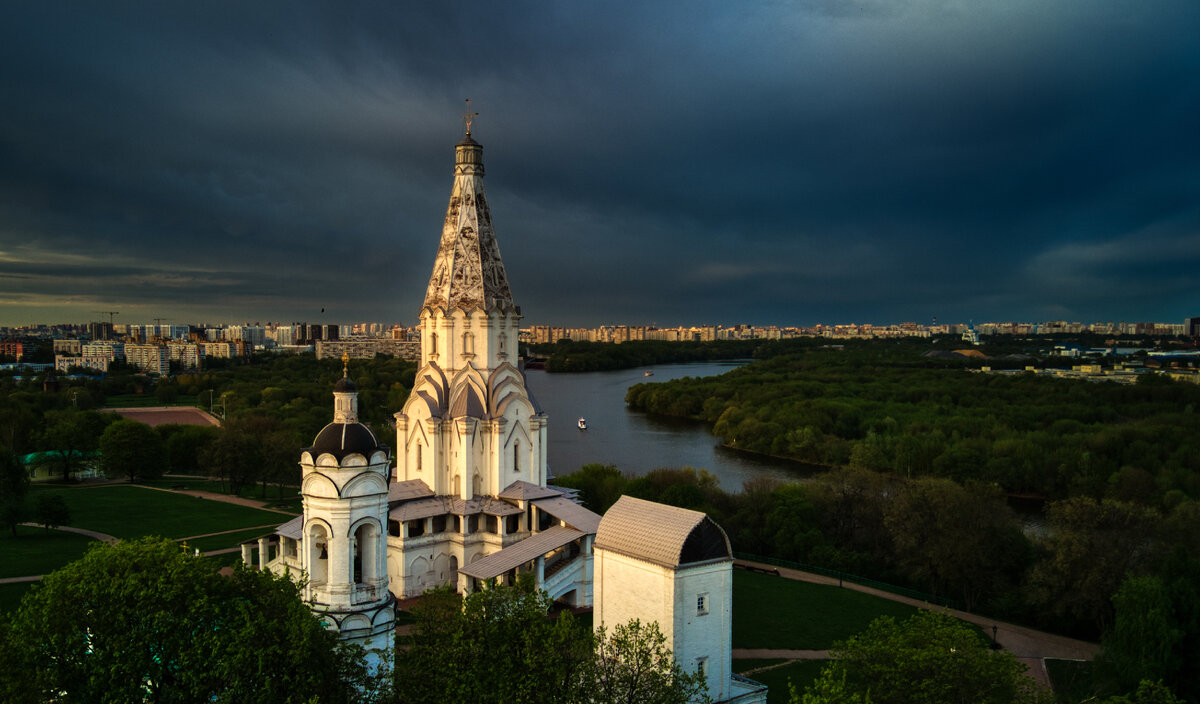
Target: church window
439, 524
468, 344
512, 524
516, 455
419, 457
490, 524
416, 528
394, 529
454, 524
702, 667
702, 604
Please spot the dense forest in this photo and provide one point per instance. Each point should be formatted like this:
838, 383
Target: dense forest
893, 410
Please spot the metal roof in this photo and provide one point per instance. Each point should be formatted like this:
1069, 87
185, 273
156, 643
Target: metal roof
293, 529
410, 489
661, 534
421, 508
525, 551
525, 491
570, 512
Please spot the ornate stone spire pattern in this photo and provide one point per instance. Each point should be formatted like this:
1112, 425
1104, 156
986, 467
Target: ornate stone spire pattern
468, 273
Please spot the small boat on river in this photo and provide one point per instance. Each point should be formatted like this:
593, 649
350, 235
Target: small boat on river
583, 423
648, 372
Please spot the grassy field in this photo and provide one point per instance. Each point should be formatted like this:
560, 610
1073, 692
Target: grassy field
10, 595
287, 500
798, 672
1073, 681
130, 512
799, 615
36, 551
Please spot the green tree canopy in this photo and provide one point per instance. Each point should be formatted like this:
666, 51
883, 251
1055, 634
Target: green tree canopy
930, 658
499, 645
145, 621
132, 449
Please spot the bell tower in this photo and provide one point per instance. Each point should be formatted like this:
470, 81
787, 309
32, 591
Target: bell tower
469, 427
344, 486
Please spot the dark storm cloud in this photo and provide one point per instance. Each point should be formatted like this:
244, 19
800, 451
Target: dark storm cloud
786, 162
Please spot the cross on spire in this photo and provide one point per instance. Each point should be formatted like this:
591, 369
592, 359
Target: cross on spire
469, 117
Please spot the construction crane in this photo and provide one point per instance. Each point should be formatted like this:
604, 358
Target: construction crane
110, 314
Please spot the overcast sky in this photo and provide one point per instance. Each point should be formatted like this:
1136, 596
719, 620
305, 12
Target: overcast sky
672, 162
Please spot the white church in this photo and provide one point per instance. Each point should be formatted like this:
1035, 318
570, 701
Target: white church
467, 499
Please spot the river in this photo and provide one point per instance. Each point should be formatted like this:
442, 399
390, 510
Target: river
636, 442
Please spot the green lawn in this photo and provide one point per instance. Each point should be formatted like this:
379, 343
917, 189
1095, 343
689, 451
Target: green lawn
287, 500
773, 612
10, 596
1073, 681
799, 672
130, 512
34, 551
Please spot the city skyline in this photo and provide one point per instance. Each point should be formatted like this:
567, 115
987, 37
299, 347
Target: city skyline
766, 164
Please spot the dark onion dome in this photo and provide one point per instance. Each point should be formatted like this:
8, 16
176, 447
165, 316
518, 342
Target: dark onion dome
344, 385
344, 439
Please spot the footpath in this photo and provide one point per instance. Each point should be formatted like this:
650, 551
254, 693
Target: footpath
1026, 644
210, 495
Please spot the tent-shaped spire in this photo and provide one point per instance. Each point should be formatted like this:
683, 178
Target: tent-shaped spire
468, 273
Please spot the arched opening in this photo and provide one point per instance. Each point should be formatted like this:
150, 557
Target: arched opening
318, 555
516, 455
419, 458
366, 553
476, 485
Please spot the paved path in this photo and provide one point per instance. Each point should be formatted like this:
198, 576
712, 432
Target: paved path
81, 531
1028, 645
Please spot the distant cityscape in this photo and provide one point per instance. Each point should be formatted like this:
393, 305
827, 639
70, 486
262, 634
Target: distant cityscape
160, 347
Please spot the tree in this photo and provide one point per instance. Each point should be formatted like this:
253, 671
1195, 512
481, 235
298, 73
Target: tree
51, 511
185, 445
14, 484
633, 664
132, 449
1091, 547
71, 436
145, 621
1147, 693
956, 540
502, 646
931, 658
1143, 643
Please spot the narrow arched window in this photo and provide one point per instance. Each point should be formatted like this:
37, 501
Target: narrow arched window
418, 457
516, 455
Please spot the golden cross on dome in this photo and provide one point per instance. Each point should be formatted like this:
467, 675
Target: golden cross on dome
345, 364
469, 117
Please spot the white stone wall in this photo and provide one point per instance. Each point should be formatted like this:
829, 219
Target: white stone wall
626, 588
707, 635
